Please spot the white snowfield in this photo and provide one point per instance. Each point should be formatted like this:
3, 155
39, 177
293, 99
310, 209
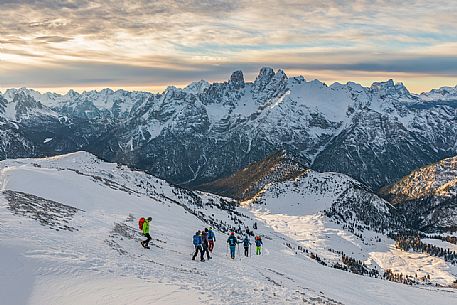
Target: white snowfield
69, 235
295, 209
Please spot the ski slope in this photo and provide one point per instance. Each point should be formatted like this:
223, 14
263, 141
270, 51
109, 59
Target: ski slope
68, 235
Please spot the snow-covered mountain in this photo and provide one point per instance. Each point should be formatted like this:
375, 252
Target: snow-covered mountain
443, 94
281, 184
207, 131
69, 232
428, 196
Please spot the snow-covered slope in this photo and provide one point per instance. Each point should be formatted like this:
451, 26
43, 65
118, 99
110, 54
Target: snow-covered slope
338, 219
68, 231
428, 196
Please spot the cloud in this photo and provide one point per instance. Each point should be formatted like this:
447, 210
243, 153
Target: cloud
179, 40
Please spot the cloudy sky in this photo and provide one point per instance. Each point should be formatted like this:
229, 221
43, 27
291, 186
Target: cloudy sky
147, 45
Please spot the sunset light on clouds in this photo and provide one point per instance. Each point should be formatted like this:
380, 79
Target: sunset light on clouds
148, 45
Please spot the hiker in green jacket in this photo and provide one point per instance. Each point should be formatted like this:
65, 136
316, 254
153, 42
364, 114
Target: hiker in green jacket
146, 233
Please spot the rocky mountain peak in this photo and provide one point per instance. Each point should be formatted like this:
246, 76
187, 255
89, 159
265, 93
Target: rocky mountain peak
264, 77
237, 80
197, 87
390, 88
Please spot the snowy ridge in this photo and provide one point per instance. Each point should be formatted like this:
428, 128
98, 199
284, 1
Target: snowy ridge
427, 196
335, 194
79, 241
249, 181
438, 179
441, 94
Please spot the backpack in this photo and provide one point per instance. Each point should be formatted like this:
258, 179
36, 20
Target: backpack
232, 240
141, 222
210, 235
197, 240
246, 242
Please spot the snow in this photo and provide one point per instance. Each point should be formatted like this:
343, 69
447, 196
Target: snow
412, 264
440, 243
47, 140
295, 209
96, 265
112, 290
332, 102
196, 87
303, 196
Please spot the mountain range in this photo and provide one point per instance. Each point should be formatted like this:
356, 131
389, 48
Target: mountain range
204, 132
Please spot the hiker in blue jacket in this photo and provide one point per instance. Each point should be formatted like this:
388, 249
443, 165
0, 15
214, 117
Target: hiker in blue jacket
198, 243
232, 242
246, 244
211, 239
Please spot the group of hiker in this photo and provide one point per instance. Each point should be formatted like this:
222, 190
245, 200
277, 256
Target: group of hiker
232, 242
204, 241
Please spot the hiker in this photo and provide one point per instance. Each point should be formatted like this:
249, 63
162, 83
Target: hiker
197, 241
246, 244
254, 226
144, 226
232, 242
211, 239
258, 245
205, 244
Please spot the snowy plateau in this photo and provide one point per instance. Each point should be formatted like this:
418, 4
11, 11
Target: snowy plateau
69, 235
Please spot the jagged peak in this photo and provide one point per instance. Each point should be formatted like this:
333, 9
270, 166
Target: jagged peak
237, 79
171, 89
197, 87
72, 93
388, 84
280, 75
391, 88
265, 75
107, 91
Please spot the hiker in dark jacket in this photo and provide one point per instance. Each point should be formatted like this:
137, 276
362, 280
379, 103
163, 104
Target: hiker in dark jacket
198, 243
232, 242
205, 244
246, 245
